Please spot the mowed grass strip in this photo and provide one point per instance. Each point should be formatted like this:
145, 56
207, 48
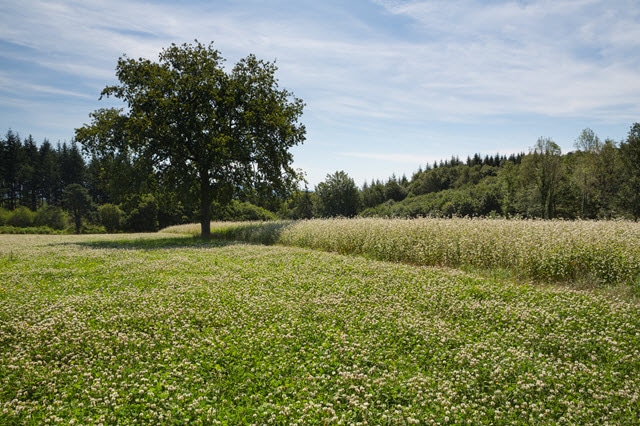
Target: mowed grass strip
161, 329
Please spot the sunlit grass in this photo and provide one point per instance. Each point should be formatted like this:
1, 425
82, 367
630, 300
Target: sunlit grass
158, 329
586, 252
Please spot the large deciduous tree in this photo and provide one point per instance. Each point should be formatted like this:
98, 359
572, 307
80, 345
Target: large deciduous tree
219, 132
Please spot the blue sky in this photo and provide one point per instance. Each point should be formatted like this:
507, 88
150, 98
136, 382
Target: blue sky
389, 85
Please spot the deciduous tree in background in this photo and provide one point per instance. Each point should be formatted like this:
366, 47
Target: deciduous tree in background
220, 132
338, 196
78, 202
585, 175
543, 170
110, 217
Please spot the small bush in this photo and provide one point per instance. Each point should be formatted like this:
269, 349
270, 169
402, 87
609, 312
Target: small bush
239, 211
44, 230
110, 217
51, 216
21, 217
4, 215
142, 213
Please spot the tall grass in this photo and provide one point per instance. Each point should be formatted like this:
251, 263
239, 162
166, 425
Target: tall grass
599, 253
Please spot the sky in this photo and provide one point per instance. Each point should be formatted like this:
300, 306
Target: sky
389, 85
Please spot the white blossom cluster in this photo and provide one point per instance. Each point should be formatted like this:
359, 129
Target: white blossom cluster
594, 253
161, 329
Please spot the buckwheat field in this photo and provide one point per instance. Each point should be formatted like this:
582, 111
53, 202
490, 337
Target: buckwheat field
335, 322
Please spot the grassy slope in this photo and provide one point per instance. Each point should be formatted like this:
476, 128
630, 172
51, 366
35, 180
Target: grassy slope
156, 328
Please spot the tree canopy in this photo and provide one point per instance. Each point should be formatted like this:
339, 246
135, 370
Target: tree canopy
219, 133
77, 200
338, 195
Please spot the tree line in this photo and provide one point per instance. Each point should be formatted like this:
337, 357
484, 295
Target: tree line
600, 179
196, 142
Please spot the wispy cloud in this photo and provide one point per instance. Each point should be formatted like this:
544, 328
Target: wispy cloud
10, 85
368, 71
465, 59
390, 157
546, 57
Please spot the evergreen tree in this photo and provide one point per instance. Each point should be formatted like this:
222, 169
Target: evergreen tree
394, 191
49, 183
72, 165
11, 159
28, 174
303, 205
373, 195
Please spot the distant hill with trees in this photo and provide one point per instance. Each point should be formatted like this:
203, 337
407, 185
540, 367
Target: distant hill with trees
599, 180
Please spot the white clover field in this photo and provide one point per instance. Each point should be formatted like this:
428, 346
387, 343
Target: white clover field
169, 329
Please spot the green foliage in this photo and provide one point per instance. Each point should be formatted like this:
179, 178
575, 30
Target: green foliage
46, 220
78, 202
221, 132
171, 210
393, 190
301, 206
21, 217
111, 217
480, 200
338, 195
543, 169
630, 153
4, 215
141, 213
597, 181
31, 230
373, 195
34, 176
51, 216
241, 211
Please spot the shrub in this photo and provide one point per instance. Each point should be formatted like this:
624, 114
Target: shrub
21, 217
52, 216
4, 215
110, 217
142, 213
32, 230
240, 211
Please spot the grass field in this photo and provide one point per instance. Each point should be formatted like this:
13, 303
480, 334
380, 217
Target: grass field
167, 329
588, 253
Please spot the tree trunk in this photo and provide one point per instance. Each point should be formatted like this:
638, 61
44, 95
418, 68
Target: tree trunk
205, 227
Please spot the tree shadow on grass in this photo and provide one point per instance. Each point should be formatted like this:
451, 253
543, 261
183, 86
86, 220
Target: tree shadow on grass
156, 243
263, 233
